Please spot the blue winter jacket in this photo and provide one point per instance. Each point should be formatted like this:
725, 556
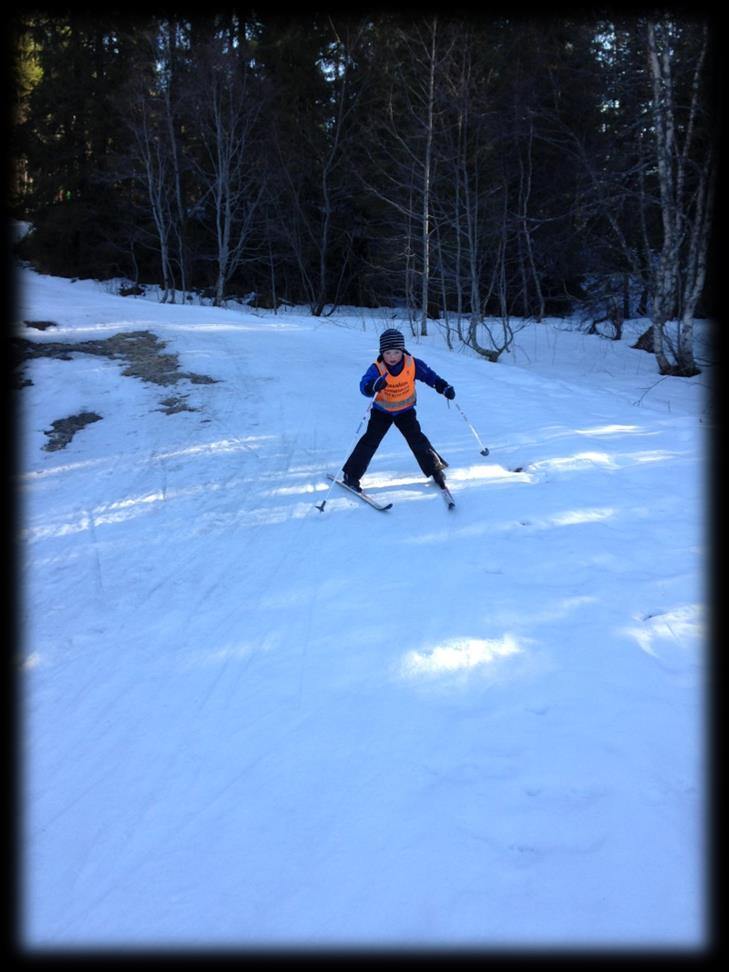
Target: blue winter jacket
422, 373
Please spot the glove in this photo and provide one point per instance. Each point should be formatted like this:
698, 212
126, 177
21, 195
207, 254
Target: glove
449, 392
379, 383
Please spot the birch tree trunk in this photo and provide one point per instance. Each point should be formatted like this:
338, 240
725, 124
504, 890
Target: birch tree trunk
685, 212
169, 96
151, 157
525, 190
403, 148
227, 110
427, 161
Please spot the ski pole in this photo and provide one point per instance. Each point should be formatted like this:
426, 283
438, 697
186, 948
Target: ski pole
484, 450
320, 506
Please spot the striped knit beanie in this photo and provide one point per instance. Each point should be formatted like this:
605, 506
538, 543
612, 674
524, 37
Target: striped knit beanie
392, 340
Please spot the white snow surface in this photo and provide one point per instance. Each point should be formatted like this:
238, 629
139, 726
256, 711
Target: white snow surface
245, 723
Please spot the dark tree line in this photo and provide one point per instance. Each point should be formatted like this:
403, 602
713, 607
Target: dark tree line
477, 171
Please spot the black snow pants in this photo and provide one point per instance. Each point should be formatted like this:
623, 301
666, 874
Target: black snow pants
378, 425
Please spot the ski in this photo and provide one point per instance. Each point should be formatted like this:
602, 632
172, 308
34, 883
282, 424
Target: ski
363, 496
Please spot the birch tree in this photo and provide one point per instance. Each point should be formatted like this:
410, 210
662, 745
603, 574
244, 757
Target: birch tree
169, 83
226, 104
686, 171
469, 210
149, 157
403, 151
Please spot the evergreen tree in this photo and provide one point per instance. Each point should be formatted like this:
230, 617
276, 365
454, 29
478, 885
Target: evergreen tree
68, 134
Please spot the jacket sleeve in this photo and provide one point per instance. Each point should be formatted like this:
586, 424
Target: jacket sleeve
365, 385
427, 375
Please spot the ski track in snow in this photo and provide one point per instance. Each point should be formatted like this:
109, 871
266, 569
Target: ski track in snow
245, 722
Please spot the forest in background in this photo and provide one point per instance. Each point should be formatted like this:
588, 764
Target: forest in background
474, 170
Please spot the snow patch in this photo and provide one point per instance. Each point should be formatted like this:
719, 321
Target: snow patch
459, 654
673, 636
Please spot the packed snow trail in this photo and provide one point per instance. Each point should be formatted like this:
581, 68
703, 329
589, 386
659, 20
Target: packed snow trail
248, 724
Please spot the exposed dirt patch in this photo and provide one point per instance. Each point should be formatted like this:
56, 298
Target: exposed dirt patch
174, 404
63, 430
40, 325
141, 350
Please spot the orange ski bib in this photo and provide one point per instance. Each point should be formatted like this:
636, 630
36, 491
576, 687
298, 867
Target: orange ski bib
399, 392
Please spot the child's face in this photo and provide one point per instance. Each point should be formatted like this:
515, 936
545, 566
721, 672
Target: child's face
392, 357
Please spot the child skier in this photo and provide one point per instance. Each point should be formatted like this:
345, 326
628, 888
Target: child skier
391, 381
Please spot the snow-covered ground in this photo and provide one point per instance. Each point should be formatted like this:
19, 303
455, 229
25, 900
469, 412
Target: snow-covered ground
246, 723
